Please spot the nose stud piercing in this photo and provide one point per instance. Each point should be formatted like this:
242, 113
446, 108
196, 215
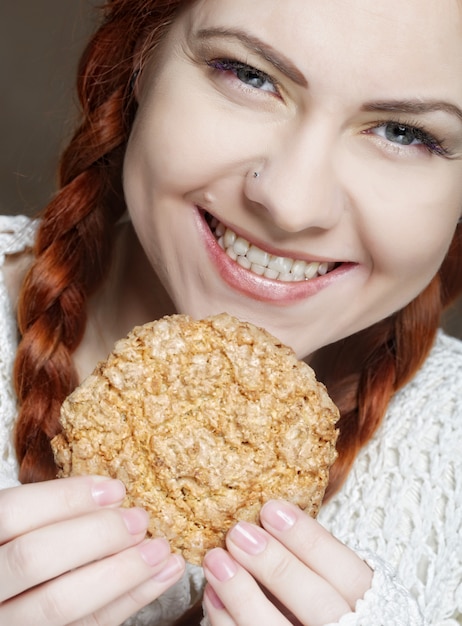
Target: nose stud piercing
256, 174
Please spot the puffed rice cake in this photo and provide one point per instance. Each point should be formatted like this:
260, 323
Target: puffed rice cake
203, 421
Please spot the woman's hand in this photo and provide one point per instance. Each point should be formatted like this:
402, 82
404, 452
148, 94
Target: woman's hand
70, 555
309, 577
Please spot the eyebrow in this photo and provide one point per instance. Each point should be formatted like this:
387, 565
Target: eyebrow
284, 65
416, 107
252, 43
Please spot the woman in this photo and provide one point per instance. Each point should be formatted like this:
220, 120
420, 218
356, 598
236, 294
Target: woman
298, 165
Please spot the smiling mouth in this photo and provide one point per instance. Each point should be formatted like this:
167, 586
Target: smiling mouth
262, 263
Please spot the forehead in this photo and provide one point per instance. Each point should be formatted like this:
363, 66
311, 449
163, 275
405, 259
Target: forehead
419, 38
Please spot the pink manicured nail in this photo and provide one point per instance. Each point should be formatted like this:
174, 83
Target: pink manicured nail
171, 569
278, 515
220, 564
213, 598
155, 551
107, 491
248, 537
136, 520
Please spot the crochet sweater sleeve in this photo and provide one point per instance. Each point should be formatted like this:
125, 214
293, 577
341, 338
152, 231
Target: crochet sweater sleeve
401, 506
16, 235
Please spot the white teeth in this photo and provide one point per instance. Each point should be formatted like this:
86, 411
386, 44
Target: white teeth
258, 269
280, 264
271, 274
229, 238
298, 270
311, 270
262, 263
241, 246
232, 255
244, 262
256, 255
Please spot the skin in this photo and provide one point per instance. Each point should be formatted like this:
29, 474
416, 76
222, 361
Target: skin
98, 549
334, 185
331, 186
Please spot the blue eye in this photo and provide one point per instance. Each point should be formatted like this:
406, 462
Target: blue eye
245, 73
407, 135
404, 135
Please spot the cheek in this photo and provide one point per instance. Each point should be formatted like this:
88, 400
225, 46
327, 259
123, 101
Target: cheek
414, 247
409, 224
158, 165
184, 134
152, 157
180, 145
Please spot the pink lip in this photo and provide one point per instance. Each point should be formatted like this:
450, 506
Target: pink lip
258, 287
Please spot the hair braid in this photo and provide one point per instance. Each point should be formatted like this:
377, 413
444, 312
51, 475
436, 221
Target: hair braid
72, 254
51, 315
391, 353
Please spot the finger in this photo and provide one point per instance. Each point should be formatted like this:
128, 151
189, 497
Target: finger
215, 609
303, 592
239, 593
99, 584
130, 603
32, 506
28, 561
318, 549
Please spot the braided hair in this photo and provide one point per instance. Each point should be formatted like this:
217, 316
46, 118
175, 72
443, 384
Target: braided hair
73, 245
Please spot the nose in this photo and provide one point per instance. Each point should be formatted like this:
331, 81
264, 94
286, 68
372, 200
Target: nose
298, 182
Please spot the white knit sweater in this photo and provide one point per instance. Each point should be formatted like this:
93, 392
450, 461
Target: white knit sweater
400, 508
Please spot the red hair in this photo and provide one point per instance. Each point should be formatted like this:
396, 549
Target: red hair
73, 252
73, 245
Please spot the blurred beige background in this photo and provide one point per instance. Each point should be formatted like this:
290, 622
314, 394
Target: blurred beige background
40, 42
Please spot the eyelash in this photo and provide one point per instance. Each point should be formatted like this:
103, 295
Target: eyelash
428, 141
234, 66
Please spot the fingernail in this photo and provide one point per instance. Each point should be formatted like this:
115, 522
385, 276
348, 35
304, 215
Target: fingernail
220, 564
248, 537
107, 491
278, 515
172, 569
155, 551
213, 598
136, 520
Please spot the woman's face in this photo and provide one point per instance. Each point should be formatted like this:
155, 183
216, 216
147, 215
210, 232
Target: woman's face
324, 137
